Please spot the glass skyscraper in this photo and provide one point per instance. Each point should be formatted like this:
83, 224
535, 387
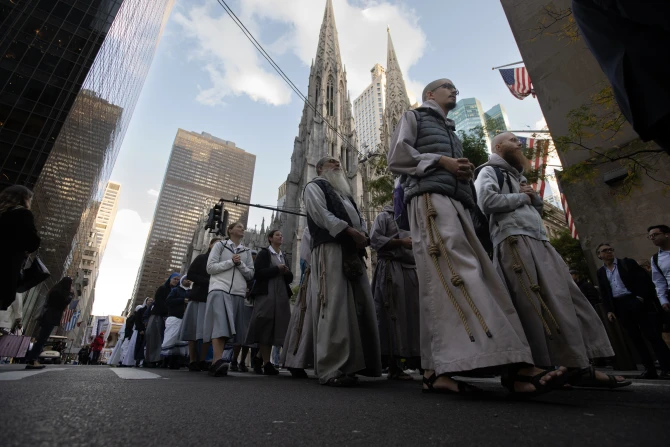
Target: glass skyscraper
496, 118
202, 169
70, 74
468, 114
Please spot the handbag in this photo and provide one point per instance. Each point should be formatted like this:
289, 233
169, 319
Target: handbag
33, 275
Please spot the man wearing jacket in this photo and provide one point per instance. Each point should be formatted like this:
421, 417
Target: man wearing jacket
628, 296
561, 325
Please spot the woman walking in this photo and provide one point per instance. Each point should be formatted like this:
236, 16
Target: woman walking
128, 355
58, 298
230, 266
141, 320
271, 293
174, 350
156, 323
18, 237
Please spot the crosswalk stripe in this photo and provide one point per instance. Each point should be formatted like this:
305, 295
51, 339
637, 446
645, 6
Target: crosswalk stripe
18, 375
134, 374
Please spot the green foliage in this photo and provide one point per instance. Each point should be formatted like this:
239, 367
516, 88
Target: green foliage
381, 183
571, 252
475, 148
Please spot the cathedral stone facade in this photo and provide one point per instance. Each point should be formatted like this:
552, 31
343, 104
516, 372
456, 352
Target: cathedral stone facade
331, 131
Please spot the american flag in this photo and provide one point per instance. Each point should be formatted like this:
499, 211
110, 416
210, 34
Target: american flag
73, 321
566, 208
67, 315
538, 162
517, 81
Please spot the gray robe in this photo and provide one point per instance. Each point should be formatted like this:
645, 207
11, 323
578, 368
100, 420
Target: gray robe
395, 289
346, 338
524, 258
298, 350
445, 345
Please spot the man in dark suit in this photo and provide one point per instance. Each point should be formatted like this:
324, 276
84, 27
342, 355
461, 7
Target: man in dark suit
629, 297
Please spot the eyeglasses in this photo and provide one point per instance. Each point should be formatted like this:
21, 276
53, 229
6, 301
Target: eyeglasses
607, 250
450, 87
652, 236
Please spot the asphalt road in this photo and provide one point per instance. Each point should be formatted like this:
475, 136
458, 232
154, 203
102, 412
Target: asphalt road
98, 405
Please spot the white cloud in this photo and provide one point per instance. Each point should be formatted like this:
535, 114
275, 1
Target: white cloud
120, 263
153, 193
235, 67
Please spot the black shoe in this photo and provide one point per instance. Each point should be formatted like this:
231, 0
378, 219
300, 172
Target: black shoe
269, 370
166, 362
258, 365
665, 375
234, 367
194, 367
204, 366
243, 368
298, 373
218, 369
648, 374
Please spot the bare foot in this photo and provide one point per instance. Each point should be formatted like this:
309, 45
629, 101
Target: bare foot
602, 377
524, 387
442, 382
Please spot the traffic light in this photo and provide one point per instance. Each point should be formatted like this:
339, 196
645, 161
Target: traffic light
211, 222
216, 216
223, 224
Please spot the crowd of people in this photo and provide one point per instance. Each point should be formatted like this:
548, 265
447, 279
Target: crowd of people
466, 283
439, 301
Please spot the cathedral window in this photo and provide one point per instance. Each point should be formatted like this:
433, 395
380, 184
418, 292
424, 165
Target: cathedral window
330, 93
316, 90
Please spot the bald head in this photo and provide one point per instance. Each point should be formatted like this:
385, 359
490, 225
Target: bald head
508, 146
498, 140
443, 92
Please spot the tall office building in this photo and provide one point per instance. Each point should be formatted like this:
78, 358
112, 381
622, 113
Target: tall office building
496, 120
369, 111
201, 170
106, 215
91, 258
469, 114
70, 75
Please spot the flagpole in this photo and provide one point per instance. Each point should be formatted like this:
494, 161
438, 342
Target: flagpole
508, 65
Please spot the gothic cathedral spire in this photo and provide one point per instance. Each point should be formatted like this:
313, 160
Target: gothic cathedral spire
397, 101
328, 131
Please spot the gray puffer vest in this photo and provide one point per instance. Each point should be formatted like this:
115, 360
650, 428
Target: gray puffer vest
437, 136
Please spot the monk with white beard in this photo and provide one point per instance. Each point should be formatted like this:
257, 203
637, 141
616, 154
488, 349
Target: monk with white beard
346, 338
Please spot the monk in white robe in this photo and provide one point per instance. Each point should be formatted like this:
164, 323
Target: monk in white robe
560, 324
468, 321
346, 339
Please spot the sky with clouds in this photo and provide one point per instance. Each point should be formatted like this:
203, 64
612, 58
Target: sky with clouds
206, 76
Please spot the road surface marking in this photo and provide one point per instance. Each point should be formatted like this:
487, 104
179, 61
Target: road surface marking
18, 375
134, 374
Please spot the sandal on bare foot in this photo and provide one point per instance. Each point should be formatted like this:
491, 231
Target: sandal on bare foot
463, 388
511, 377
588, 379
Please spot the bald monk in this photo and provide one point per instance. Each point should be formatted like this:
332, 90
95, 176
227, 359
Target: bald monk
560, 324
468, 321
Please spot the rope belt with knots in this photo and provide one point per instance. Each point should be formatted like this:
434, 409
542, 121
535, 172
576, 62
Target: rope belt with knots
435, 249
519, 267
